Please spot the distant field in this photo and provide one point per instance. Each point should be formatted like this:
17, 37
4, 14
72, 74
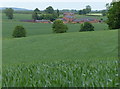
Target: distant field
39, 28
46, 59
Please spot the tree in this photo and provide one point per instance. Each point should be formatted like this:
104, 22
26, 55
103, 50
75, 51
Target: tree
58, 13
37, 10
49, 10
35, 16
107, 6
114, 15
84, 11
19, 31
104, 12
59, 27
80, 12
88, 9
86, 27
9, 13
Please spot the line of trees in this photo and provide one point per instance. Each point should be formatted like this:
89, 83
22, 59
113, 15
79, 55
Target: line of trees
85, 11
50, 14
57, 27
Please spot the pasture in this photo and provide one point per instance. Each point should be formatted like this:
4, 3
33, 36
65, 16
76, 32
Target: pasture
39, 28
72, 59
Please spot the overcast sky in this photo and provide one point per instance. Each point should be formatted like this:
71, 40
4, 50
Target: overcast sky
56, 4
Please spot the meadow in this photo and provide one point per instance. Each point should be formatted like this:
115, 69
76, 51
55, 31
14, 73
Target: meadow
46, 59
39, 28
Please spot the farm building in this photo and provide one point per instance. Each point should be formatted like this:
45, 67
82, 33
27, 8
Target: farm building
69, 18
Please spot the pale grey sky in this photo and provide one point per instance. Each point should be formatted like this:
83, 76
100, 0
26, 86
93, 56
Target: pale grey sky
57, 4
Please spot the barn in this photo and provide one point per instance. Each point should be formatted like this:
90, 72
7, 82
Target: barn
69, 18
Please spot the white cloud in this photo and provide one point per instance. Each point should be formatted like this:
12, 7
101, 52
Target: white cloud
4, 1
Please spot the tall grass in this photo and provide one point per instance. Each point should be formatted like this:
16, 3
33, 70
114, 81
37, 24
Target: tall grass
81, 73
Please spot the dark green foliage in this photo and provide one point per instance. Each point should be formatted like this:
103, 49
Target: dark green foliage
49, 10
82, 12
19, 31
114, 16
104, 12
87, 27
37, 10
85, 11
59, 27
58, 12
50, 17
88, 9
9, 13
35, 15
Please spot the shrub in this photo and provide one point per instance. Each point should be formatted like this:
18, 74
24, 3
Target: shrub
87, 27
59, 27
19, 31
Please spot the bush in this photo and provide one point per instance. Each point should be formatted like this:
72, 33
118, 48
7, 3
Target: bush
87, 27
59, 27
19, 31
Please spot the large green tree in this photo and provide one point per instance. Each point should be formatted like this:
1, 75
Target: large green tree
37, 10
49, 10
88, 9
114, 15
19, 31
58, 12
86, 27
9, 13
59, 27
35, 15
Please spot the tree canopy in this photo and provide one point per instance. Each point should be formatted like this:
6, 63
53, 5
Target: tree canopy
114, 15
88, 9
59, 27
49, 10
9, 13
35, 15
86, 27
85, 11
19, 31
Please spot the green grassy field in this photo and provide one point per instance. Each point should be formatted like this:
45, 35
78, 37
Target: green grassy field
39, 28
42, 59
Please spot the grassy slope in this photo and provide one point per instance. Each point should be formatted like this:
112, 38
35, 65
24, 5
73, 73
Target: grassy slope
86, 59
71, 46
44, 55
